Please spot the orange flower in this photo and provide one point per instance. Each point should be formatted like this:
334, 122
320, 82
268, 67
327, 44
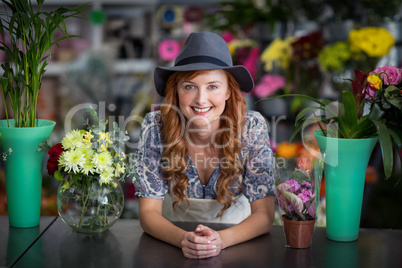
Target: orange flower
287, 150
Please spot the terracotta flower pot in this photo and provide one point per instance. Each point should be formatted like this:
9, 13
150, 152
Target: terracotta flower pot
298, 233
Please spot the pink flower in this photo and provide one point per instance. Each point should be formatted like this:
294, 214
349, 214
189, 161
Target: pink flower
294, 184
305, 195
306, 185
251, 61
268, 85
394, 73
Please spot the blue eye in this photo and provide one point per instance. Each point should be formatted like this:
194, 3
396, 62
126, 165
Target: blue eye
188, 87
213, 87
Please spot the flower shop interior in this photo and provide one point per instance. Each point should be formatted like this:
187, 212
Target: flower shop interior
290, 46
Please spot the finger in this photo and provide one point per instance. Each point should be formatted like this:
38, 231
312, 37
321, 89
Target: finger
200, 228
196, 239
203, 230
199, 254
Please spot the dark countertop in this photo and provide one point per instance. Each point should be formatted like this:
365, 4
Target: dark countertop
15, 241
126, 245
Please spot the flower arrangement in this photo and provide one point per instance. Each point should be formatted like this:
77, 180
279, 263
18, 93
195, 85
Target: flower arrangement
86, 158
92, 152
296, 196
244, 51
277, 54
362, 50
370, 41
269, 85
334, 57
296, 59
379, 92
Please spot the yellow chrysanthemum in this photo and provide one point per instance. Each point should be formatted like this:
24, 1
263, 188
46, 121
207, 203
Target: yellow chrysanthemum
373, 41
278, 52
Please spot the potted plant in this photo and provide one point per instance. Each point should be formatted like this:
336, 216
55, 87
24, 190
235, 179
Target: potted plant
26, 40
297, 195
349, 130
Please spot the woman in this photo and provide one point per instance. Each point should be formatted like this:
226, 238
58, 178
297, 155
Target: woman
203, 157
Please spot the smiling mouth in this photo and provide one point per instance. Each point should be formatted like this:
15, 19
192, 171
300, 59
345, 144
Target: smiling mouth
201, 110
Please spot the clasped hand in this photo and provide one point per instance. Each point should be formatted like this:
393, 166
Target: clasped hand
202, 243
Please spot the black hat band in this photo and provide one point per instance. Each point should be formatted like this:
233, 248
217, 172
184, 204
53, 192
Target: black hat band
198, 59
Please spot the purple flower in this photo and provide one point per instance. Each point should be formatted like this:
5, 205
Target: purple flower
294, 184
394, 73
305, 195
307, 185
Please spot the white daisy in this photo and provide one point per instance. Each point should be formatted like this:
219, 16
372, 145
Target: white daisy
72, 160
102, 161
106, 176
72, 140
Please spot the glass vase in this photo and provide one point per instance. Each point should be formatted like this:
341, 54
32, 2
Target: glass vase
88, 206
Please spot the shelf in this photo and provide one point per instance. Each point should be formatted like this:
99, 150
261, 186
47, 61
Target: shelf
121, 67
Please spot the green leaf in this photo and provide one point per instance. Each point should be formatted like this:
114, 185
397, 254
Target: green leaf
294, 95
305, 111
376, 112
299, 176
393, 96
386, 147
57, 175
350, 107
295, 201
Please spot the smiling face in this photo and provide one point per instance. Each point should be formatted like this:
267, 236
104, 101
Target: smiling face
202, 99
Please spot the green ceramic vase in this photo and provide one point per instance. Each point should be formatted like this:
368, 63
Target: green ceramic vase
24, 170
345, 165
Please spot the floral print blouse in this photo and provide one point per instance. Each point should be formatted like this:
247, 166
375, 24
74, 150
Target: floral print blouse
256, 156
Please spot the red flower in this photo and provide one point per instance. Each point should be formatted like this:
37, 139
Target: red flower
53, 162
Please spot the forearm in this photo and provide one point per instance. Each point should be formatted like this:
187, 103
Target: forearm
259, 222
154, 224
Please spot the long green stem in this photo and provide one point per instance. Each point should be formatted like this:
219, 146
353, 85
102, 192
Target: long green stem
85, 202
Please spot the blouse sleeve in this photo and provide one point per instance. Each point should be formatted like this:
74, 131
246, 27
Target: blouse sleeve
149, 182
258, 175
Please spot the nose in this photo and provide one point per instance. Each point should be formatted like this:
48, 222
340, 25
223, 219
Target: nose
202, 96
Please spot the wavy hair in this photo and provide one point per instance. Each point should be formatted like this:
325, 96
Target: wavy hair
176, 148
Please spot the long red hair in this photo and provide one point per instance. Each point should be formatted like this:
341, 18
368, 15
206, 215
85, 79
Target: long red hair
176, 145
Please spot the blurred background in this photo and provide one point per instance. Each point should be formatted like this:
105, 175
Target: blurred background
289, 46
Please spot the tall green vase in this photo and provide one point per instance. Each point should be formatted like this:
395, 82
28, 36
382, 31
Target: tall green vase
345, 165
23, 170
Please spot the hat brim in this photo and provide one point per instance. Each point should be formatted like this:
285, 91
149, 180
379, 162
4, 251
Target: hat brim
239, 73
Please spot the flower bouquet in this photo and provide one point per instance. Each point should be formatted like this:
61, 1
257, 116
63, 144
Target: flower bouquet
89, 164
297, 195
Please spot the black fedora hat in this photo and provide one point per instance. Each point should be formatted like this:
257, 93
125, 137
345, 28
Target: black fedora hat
204, 51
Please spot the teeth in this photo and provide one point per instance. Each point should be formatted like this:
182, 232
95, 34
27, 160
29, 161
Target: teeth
201, 110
